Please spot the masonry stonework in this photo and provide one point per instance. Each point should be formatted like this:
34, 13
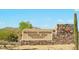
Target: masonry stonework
63, 34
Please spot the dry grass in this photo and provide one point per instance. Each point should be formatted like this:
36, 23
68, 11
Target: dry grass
46, 47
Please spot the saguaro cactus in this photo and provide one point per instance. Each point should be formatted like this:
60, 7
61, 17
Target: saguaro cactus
75, 31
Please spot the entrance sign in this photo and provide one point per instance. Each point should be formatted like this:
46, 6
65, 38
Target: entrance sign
37, 34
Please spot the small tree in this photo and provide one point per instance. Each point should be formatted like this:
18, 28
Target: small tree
23, 25
75, 31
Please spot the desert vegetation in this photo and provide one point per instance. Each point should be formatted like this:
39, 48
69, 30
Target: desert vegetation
11, 36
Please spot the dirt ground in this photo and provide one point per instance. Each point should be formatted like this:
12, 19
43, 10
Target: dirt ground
46, 47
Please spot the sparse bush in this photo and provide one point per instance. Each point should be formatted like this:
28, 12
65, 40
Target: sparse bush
12, 37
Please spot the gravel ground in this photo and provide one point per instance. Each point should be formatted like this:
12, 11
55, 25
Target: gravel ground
46, 47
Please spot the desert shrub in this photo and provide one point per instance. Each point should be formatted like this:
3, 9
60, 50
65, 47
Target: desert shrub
9, 34
12, 37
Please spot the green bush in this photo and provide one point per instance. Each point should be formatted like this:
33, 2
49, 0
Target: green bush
12, 37
9, 34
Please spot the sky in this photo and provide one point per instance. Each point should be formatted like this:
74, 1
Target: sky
41, 18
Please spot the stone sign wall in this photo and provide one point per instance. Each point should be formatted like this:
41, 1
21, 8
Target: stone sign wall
63, 34
37, 34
